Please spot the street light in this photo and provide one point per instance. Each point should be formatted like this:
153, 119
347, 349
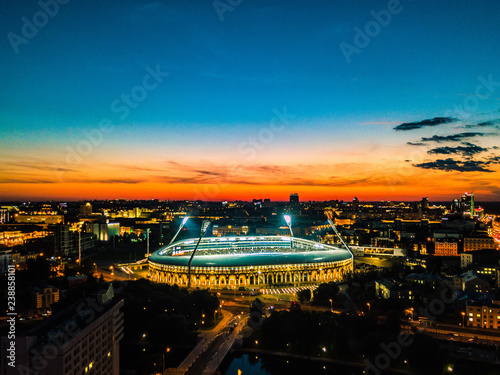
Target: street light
463, 320
331, 305
369, 306
80, 248
204, 227
167, 350
147, 243
184, 221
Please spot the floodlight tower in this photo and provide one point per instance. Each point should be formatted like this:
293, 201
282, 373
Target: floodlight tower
329, 215
147, 242
80, 248
184, 221
204, 227
288, 220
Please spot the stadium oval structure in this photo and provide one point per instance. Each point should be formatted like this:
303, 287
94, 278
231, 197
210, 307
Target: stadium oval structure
250, 262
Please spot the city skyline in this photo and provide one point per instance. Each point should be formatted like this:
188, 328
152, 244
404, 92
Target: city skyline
395, 100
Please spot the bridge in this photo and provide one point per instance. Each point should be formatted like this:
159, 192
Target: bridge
214, 345
359, 251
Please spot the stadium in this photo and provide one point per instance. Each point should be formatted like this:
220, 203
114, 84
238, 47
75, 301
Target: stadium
250, 262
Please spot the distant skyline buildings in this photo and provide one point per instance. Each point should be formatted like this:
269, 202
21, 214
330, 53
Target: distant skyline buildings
168, 100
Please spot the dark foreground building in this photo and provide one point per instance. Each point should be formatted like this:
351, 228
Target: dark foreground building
82, 339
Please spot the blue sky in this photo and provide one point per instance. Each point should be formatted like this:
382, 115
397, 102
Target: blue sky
226, 77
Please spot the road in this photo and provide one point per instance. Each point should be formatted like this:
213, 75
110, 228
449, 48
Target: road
207, 337
211, 350
377, 262
453, 333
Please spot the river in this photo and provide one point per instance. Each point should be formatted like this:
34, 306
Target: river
252, 364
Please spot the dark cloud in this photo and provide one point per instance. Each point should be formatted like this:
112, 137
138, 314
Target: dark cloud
455, 165
453, 137
116, 181
494, 159
26, 181
424, 123
416, 143
484, 124
39, 166
468, 149
53, 181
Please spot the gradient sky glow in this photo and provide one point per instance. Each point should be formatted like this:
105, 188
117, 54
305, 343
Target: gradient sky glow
259, 104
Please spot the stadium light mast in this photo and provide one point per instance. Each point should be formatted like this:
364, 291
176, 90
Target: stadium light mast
288, 220
329, 216
184, 221
204, 227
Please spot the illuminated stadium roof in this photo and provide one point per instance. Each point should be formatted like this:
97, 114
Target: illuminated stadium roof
248, 251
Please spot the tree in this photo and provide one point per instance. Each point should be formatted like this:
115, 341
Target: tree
304, 295
324, 293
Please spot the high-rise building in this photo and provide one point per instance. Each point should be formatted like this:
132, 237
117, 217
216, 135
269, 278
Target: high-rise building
67, 242
83, 339
85, 210
467, 204
294, 199
425, 203
355, 203
113, 230
62, 240
5, 260
479, 212
4, 215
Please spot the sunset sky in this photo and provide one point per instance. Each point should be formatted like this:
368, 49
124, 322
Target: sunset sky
259, 99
